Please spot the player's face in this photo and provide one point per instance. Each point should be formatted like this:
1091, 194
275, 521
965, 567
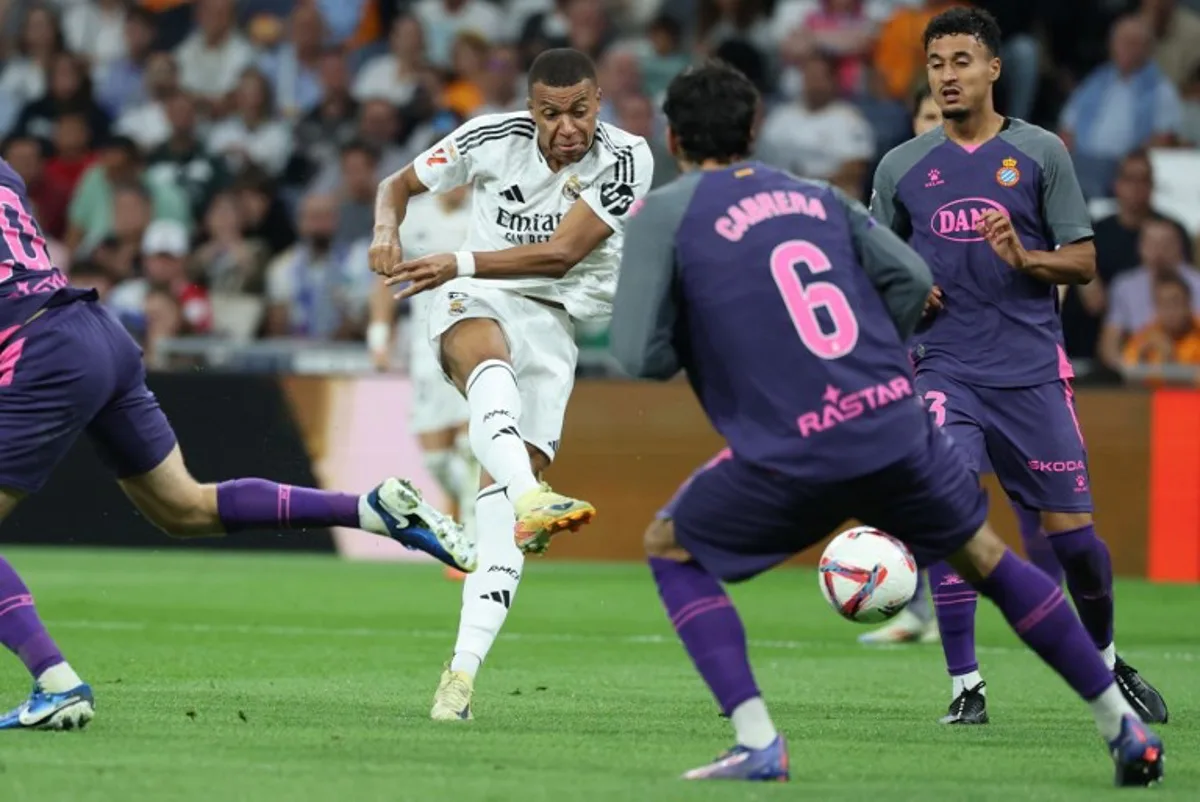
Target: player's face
961, 72
928, 116
1172, 309
566, 119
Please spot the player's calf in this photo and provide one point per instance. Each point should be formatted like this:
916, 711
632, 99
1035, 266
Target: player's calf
1038, 612
711, 630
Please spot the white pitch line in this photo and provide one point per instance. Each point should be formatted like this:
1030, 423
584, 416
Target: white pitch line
534, 637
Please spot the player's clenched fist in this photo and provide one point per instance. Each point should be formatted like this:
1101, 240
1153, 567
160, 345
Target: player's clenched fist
424, 273
385, 252
934, 302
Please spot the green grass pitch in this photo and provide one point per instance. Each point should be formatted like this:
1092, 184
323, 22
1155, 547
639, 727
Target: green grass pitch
288, 679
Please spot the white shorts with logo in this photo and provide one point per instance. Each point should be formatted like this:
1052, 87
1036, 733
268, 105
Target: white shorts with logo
541, 341
436, 403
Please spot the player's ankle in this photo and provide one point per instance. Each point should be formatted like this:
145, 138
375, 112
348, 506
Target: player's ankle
59, 678
752, 724
965, 682
520, 485
467, 663
1109, 653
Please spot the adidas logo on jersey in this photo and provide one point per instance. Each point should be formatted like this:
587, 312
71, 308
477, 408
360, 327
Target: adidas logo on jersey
513, 194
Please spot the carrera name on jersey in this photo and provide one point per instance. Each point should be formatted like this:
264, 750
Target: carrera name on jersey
518, 200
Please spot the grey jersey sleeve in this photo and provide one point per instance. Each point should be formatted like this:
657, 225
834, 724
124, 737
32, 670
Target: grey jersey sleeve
886, 206
1063, 207
641, 335
899, 275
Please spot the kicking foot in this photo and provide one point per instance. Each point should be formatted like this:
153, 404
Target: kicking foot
1141, 695
743, 763
395, 509
452, 701
1137, 753
52, 711
969, 707
542, 514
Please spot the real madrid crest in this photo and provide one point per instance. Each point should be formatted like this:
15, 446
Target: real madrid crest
572, 188
1008, 175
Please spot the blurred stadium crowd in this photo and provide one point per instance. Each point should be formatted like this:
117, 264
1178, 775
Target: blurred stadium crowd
210, 165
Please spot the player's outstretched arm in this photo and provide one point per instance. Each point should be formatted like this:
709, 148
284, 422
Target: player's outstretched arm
898, 273
641, 335
379, 328
391, 205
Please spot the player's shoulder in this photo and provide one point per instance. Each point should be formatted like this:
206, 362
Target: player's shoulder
1037, 142
898, 161
667, 204
613, 138
495, 130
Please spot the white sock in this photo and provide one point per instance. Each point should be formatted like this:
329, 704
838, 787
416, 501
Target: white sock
965, 682
59, 679
752, 724
1109, 708
1109, 653
488, 593
494, 403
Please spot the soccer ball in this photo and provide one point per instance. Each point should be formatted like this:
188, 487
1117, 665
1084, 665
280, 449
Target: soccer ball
866, 575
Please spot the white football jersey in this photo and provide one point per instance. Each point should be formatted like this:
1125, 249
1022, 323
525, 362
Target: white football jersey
518, 200
428, 228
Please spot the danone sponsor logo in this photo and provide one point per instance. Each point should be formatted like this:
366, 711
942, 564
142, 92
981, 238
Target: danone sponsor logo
956, 221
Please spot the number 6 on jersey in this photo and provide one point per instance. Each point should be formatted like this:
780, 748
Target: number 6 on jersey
803, 300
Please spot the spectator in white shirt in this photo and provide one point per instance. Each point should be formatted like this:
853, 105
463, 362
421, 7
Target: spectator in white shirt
147, 123
96, 31
213, 57
820, 136
252, 133
24, 77
444, 20
396, 75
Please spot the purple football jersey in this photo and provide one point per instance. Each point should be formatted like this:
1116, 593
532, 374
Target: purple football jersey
999, 327
29, 281
787, 306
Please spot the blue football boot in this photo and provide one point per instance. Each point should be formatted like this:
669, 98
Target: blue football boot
52, 711
395, 509
1137, 753
743, 763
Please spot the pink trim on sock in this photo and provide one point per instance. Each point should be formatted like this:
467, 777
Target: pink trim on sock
711, 604
1039, 613
690, 606
961, 597
15, 603
285, 505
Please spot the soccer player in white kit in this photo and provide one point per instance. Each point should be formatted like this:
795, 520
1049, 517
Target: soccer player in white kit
552, 188
433, 224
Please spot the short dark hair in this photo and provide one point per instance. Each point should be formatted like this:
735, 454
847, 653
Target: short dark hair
27, 139
363, 147
126, 145
711, 110
667, 24
966, 22
561, 66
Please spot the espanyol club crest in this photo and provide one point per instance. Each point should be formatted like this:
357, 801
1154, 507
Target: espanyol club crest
1008, 175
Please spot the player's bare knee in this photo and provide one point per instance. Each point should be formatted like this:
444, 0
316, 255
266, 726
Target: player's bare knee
469, 343
1055, 522
659, 541
979, 556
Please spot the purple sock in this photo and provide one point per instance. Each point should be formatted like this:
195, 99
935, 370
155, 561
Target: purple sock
1088, 566
710, 628
1038, 612
260, 504
20, 628
1037, 547
954, 602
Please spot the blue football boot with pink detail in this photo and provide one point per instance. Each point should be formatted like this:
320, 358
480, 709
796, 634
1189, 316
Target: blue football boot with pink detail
1137, 753
744, 763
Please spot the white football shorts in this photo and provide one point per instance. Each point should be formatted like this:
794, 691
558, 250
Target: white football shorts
541, 341
436, 402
